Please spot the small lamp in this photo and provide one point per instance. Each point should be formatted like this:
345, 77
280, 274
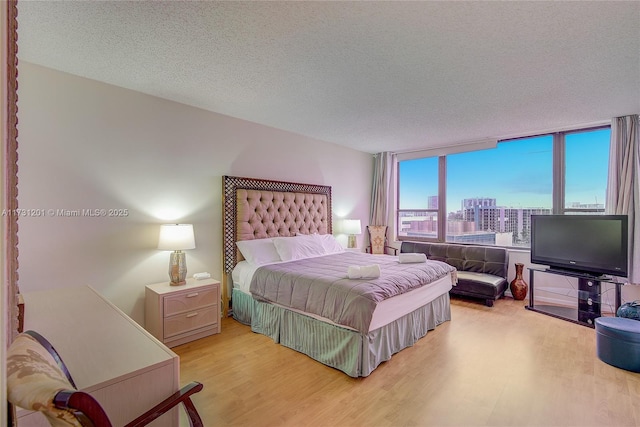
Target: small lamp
176, 238
351, 227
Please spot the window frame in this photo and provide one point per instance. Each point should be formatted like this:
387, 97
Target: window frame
558, 185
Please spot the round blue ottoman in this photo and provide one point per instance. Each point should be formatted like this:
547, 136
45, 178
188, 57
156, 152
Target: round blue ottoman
618, 342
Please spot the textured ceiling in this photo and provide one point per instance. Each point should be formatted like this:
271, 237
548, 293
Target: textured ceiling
374, 76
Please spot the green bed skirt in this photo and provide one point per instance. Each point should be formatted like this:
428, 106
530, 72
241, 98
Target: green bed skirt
352, 352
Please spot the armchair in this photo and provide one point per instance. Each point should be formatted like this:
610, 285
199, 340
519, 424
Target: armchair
378, 240
38, 379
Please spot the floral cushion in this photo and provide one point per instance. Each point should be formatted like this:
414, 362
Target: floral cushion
34, 378
378, 238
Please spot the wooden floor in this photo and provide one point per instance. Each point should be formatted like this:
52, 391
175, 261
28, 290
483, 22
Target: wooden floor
499, 366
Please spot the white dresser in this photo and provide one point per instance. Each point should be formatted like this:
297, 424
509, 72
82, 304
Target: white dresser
178, 314
108, 355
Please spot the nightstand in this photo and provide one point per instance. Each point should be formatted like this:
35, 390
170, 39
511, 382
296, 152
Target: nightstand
178, 314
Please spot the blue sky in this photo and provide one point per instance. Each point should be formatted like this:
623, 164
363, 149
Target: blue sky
516, 173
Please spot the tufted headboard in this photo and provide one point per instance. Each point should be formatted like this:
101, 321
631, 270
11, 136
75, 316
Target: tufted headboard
258, 208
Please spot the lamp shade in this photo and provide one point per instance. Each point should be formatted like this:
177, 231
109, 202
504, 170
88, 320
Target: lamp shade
351, 226
176, 237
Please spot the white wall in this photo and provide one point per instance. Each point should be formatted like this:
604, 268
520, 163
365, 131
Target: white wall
89, 145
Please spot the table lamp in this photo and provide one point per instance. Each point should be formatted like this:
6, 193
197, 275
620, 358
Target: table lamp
176, 238
351, 227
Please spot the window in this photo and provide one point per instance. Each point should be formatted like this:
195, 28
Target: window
586, 169
418, 207
488, 196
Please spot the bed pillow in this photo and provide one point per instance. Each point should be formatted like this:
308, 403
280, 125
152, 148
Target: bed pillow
258, 251
330, 244
298, 247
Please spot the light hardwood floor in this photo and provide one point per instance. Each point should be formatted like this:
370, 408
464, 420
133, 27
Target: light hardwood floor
499, 366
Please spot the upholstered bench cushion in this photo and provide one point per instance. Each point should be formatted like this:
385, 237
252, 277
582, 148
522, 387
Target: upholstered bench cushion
618, 342
481, 283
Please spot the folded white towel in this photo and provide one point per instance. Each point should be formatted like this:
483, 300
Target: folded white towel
354, 272
363, 271
370, 271
407, 258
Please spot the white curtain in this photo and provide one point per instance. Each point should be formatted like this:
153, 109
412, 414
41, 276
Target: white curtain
623, 184
379, 213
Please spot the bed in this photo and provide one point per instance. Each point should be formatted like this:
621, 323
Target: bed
297, 293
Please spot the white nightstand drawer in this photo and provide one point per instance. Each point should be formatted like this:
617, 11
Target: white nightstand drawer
187, 301
184, 322
179, 314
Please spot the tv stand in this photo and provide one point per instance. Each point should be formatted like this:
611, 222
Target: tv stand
588, 304
572, 273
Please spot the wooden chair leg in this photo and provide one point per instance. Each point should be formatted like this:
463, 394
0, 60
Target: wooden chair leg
194, 417
181, 396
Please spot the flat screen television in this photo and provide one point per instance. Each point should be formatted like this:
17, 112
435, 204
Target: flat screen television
594, 245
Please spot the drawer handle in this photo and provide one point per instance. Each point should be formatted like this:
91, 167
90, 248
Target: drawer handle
195, 294
192, 314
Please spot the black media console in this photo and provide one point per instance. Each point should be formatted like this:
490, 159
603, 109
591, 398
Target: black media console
589, 301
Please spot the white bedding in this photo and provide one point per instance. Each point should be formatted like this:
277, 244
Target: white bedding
385, 312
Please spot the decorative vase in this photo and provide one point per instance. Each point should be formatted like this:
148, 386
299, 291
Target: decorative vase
518, 286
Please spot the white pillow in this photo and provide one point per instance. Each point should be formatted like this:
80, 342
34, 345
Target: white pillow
298, 247
330, 244
259, 251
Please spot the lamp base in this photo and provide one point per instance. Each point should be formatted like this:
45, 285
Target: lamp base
178, 268
352, 241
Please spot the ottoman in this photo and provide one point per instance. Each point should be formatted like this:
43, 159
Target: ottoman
618, 342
